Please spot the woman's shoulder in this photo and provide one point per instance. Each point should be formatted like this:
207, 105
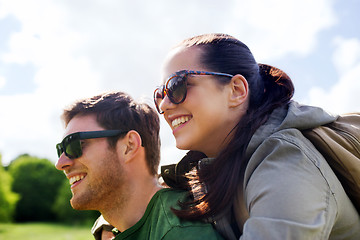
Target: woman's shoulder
287, 155
286, 161
284, 145
286, 169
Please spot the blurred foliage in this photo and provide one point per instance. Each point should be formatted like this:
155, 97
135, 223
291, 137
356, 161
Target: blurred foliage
37, 182
44, 231
32, 189
8, 199
64, 211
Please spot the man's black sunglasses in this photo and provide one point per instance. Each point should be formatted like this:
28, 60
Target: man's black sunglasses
71, 144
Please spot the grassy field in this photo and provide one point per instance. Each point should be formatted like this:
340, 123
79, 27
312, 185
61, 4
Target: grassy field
42, 231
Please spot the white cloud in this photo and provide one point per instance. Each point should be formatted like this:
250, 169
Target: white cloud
2, 81
344, 95
27, 126
347, 54
81, 48
276, 28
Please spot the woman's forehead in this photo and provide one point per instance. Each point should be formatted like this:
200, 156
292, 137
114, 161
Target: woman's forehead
181, 58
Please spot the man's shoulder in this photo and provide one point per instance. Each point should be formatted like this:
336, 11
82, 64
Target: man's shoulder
171, 196
168, 200
160, 222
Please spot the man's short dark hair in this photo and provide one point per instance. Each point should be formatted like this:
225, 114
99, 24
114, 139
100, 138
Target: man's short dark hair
118, 110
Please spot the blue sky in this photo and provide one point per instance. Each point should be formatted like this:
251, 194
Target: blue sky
54, 52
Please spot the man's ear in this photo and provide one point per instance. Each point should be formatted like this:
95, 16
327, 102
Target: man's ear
239, 90
131, 144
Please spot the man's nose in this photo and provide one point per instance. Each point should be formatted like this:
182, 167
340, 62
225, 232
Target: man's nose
63, 162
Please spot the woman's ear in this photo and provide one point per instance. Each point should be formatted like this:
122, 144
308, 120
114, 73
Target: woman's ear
131, 144
239, 90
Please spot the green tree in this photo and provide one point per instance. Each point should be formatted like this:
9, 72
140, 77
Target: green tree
37, 182
8, 198
66, 213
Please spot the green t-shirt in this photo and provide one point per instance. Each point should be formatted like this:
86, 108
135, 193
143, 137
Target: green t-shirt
159, 222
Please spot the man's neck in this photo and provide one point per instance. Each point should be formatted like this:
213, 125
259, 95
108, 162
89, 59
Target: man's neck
125, 215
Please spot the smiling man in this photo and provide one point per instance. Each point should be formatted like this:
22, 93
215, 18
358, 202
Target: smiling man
110, 154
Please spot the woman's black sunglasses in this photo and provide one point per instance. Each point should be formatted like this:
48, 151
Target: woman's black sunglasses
71, 144
175, 87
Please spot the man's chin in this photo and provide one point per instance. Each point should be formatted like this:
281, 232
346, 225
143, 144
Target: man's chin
79, 205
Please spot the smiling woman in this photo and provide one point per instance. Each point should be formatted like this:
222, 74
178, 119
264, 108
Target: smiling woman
258, 177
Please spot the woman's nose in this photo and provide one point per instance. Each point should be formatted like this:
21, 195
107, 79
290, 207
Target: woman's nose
166, 104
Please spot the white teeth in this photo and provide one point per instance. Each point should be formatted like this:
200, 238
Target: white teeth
74, 179
176, 122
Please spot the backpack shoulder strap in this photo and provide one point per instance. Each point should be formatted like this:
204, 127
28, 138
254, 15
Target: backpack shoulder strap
339, 143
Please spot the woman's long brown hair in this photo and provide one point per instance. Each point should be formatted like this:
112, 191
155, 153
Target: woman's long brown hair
215, 184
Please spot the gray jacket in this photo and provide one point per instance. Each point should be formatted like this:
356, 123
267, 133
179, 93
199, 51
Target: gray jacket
289, 190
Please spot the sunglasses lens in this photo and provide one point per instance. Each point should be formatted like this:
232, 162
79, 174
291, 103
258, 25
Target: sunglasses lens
177, 89
59, 149
73, 149
158, 96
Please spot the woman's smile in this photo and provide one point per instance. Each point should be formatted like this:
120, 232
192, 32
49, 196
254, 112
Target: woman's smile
180, 120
